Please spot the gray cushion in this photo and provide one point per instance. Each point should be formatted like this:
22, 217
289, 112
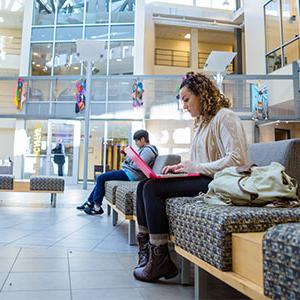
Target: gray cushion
6, 182
164, 160
6, 170
47, 183
285, 152
281, 259
205, 230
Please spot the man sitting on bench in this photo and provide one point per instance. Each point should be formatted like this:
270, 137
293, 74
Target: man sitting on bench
129, 172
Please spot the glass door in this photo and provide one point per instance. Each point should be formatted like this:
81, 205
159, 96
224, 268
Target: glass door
63, 149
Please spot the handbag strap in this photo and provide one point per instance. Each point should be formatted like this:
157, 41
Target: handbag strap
253, 196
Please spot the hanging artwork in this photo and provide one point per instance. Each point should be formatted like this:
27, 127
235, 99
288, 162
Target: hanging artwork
21, 92
137, 94
80, 95
259, 99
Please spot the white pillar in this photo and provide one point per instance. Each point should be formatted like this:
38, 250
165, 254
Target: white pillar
139, 38
20, 143
26, 36
194, 49
144, 39
254, 37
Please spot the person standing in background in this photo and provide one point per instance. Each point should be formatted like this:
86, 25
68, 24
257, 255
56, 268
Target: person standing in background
59, 156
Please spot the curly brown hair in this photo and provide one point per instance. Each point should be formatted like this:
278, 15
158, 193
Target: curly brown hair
211, 100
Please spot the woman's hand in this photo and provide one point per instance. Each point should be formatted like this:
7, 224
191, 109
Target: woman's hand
179, 168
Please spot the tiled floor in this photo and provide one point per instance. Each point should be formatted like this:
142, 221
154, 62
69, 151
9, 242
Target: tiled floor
61, 253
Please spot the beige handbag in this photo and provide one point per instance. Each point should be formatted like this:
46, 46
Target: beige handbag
254, 186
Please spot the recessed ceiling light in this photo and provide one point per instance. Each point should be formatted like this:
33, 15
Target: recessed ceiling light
187, 36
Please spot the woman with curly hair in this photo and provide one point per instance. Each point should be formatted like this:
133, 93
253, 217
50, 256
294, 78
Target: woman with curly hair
219, 142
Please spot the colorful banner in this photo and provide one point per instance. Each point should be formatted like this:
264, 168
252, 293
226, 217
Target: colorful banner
21, 92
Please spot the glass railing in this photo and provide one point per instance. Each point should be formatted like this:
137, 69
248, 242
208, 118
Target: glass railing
111, 96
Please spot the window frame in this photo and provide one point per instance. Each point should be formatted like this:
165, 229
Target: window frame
282, 43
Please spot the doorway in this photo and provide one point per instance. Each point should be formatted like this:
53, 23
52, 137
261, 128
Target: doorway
41, 138
282, 134
68, 133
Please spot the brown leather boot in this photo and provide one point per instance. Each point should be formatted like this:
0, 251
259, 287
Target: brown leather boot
143, 241
159, 265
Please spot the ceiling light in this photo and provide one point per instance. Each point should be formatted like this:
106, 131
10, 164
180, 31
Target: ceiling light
187, 36
118, 59
1, 20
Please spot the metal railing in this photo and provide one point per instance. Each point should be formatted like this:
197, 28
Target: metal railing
180, 58
174, 58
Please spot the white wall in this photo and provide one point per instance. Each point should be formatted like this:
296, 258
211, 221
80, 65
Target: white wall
281, 90
11, 41
254, 37
7, 135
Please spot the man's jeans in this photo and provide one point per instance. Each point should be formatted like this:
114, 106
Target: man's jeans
97, 194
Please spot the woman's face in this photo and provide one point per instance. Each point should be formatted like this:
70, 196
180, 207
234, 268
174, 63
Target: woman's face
190, 102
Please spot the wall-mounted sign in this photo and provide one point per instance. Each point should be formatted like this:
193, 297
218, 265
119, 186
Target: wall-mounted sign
37, 140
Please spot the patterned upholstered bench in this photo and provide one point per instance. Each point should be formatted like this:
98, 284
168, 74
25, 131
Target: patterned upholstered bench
203, 232
120, 195
39, 184
126, 205
6, 182
281, 261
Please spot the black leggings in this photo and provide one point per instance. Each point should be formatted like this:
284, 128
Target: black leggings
151, 195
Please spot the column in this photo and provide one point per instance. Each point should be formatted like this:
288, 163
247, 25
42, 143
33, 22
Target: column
238, 61
20, 143
194, 49
26, 36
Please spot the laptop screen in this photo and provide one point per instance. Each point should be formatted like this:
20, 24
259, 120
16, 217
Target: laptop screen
140, 163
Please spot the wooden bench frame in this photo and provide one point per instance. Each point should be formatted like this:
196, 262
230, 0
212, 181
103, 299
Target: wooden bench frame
23, 186
131, 218
247, 267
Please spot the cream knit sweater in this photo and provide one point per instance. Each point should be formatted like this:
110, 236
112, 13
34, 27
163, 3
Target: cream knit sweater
219, 144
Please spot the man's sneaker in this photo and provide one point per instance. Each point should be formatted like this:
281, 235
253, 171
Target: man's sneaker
84, 205
92, 211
